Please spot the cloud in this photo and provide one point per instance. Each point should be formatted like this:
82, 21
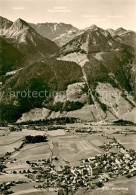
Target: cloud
115, 16
59, 9
18, 8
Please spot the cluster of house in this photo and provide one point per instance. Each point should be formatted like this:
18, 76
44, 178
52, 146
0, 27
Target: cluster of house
93, 171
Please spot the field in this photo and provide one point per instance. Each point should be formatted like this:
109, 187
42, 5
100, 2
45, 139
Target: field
121, 186
11, 140
32, 152
28, 189
69, 146
73, 148
12, 177
128, 141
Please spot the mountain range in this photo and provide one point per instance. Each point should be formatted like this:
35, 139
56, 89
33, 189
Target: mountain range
24, 38
93, 67
60, 33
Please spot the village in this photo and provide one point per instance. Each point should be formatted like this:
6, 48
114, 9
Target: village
93, 172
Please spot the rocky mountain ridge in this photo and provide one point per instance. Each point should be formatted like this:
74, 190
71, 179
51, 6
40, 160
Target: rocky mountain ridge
24, 38
93, 61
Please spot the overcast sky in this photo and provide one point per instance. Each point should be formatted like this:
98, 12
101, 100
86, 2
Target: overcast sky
80, 13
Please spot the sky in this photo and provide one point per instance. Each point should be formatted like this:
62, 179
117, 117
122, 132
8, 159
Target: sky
79, 13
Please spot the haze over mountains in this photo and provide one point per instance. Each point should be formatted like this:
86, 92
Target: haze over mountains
60, 57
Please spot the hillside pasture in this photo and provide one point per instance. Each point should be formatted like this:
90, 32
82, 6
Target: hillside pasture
32, 152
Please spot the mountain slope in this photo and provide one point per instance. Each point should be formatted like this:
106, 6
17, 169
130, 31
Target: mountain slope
73, 85
60, 33
10, 57
46, 79
22, 36
53, 30
92, 40
4, 25
122, 35
120, 31
100, 55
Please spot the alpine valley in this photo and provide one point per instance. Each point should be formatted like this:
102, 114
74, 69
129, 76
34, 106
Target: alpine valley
94, 68
67, 109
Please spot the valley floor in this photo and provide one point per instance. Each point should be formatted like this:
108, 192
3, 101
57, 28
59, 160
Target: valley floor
79, 158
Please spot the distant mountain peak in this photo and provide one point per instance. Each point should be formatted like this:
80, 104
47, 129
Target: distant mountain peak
110, 30
21, 21
94, 27
120, 28
20, 24
58, 32
120, 31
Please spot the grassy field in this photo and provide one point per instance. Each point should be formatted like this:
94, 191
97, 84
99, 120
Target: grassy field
128, 141
12, 140
32, 152
12, 177
28, 188
56, 133
120, 186
73, 148
69, 147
